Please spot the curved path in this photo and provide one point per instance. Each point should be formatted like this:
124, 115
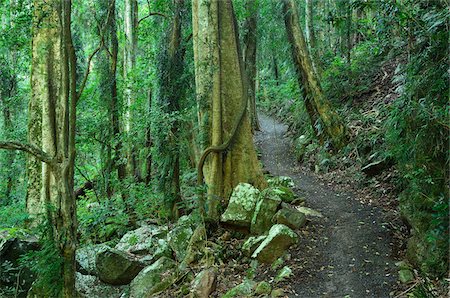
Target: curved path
348, 252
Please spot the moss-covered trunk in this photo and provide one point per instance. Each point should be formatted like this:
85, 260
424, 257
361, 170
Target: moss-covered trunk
315, 100
222, 98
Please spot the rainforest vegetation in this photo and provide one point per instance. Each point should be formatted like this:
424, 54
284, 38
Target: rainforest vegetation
224, 148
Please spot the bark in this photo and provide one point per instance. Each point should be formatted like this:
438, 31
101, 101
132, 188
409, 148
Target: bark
53, 87
172, 90
250, 40
315, 100
222, 98
130, 48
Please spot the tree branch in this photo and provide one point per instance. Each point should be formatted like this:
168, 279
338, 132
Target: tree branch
28, 148
91, 56
153, 14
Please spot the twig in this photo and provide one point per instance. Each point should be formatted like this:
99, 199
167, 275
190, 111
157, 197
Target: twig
407, 290
28, 148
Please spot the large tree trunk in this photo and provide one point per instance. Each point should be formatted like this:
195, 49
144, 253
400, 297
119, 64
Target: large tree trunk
130, 49
315, 100
53, 87
222, 98
250, 40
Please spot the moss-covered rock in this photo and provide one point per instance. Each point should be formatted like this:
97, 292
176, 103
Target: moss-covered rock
279, 239
263, 288
85, 258
251, 244
154, 278
89, 286
281, 181
290, 217
244, 289
180, 235
283, 274
116, 267
242, 204
146, 240
405, 276
309, 212
264, 211
196, 246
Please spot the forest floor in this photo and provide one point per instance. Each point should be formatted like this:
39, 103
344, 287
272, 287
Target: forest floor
351, 251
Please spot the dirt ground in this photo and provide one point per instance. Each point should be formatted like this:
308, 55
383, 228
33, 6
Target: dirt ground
350, 252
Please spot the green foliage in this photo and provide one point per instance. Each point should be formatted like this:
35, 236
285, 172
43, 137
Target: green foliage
13, 215
46, 264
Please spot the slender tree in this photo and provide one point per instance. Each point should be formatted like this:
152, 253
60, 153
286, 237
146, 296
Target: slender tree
222, 98
250, 40
317, 105
129, 64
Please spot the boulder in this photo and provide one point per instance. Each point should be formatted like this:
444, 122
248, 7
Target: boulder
277, 293
242, 204
252, 244
116, 267
14, 243
279, 239
376, 167
148, 243
290, 217
284, 193
264, 211
204, 283
196, 246
180, 235
154, 278
281, 181
85, 258
89, 286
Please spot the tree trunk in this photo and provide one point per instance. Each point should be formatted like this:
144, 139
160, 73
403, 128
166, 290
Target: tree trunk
315, 100
250, 40
222, 98
53, 87
130, 49
148, 141
172, 90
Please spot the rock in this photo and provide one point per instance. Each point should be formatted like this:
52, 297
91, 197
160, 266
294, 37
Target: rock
204, 283
285, 193
14, 243
301, 144
262, 217
242, 290
116, 267
148, 243
263, 288
85, 258
89, 286
405, 276
281, 181
284, 273
153, 279
309, 212
242, 204
196, 246
277, 293
279, 239
179, 237
252, 244
290, 217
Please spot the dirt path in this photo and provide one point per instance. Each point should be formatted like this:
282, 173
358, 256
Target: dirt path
348, 252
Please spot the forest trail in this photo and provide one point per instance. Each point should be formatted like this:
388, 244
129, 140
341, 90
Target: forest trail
348, 252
